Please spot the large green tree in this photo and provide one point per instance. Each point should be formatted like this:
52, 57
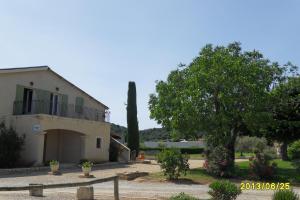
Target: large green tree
223, 92
286, 113
132, 121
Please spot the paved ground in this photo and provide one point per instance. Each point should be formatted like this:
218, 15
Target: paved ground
128, 189
131, 190
73, 175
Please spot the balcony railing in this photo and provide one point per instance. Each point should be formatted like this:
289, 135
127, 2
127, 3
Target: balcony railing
60, 109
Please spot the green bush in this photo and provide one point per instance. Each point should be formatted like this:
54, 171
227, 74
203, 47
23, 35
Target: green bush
224, 190
294, 150
219, 162
87, 164
173, 163
10, 146
261, 167
83, 160
53, 162
182, 196
296, 164
285, 195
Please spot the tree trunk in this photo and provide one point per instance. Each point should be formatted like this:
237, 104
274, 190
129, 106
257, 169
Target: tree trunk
283, 151
231, 149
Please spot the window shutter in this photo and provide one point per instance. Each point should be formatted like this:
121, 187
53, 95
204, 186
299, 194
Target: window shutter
79, 105
18, 104
42, 101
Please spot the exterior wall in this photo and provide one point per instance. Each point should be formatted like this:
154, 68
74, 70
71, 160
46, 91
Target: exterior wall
188, 144
44, 80
36, 126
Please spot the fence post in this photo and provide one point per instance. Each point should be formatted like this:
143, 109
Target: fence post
116, 188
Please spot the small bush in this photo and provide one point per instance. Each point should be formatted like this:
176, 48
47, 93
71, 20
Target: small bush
182, 196
219, 162
83, 160
10, 146
285, 195
261, 167
296, 164
294, 150
270, 152
224, 190
53, 162
173, 163
87, 164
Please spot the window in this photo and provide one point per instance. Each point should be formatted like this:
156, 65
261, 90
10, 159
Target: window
27, 101
98, 143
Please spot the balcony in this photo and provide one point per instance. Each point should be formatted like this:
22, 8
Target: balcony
59, 109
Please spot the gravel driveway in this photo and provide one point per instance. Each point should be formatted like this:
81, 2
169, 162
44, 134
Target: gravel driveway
132, 190
128, 189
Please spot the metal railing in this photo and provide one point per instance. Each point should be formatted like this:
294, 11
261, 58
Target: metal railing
60, 109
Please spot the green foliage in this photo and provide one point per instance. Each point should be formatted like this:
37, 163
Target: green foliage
222, 92
260, 166
296, 164
192, 150
182, 196
285, 109
53, 162
219, 162
294, 150
10, 146
132, 121
87, 164
285, 195
173, 163
83, 160
224, 190
249, 144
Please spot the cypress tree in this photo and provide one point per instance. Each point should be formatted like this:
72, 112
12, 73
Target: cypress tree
132, 121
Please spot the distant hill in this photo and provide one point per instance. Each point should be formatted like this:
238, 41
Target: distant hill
152, 134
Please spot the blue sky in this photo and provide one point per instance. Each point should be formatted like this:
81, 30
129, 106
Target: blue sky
101, 45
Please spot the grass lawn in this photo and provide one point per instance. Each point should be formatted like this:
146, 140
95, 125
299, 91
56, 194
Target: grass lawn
285, 173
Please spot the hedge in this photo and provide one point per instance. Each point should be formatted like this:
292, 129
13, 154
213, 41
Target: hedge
182, 150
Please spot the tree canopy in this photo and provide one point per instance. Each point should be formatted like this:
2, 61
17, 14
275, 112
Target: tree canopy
224, 92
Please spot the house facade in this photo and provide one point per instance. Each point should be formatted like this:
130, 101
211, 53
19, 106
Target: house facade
59, 120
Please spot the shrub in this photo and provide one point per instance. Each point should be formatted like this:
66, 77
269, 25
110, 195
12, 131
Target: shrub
173, 163
10, 146
247, 144
285, 195
294, 150
260, 165
87, 164
83, 160
296, 164
219, 162
270, 152
224, 190
182, 196
53, 162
